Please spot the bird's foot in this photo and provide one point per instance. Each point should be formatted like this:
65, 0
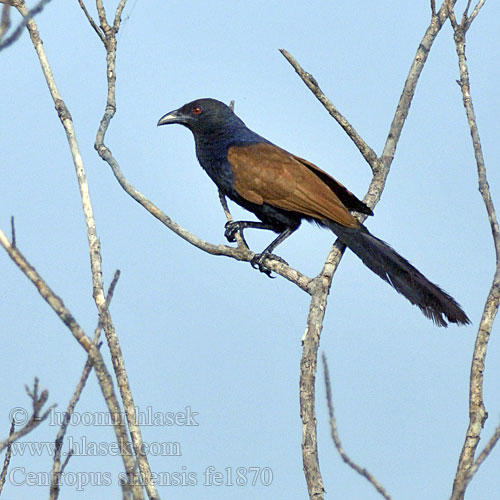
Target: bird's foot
257, 262
233, 227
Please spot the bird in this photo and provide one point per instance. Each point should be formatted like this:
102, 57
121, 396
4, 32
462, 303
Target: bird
282, 189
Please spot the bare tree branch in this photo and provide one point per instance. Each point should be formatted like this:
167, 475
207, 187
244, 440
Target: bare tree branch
26, 17
90, 19
96, 268
368, 154
405, 101
37, 401
240, 240
57, 468
118, 15
320, 286
13, 231
95, 357
102, 16
433, 7
111, 337
475, 12
67, 123
48, 295
484, 454
6, 461
466, 11
5, 20
477, 413
336, 439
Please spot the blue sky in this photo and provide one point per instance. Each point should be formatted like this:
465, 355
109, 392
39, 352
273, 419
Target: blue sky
209, 333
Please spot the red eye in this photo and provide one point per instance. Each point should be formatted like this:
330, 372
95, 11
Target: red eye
196, 110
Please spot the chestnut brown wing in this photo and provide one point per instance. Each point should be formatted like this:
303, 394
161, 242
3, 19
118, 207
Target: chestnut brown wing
264, 173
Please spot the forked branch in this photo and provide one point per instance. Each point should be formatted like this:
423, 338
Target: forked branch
336, 439
322, 283
95, 357
467, 466
37, 417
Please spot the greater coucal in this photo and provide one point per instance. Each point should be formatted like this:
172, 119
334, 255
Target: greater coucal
281, 189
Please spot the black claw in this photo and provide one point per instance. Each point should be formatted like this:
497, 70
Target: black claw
257, 262
231, 229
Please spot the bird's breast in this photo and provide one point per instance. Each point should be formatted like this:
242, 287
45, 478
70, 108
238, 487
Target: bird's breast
212, 156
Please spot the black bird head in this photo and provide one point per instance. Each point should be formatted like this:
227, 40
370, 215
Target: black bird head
203, 116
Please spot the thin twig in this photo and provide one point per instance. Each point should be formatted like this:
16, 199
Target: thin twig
240, 240
367, 152
307, 390
239, 253
475, 12
90, 19
105, 308
465, 15
118, 15
26, 17
57, 468
466, 467
484, 454
336, 439
5, 21
67, 123
102, 16
13, 231
225, 208
66, 460
403, 107
451, 15
6, 461
48, 295
37, 402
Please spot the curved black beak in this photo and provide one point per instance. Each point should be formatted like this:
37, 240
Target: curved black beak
171, 117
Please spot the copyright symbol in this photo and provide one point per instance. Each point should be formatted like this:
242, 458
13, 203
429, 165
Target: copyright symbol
18, 415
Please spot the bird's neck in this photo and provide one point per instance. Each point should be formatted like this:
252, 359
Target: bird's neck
211, 148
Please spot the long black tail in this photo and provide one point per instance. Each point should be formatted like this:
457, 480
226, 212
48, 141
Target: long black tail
378, 256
